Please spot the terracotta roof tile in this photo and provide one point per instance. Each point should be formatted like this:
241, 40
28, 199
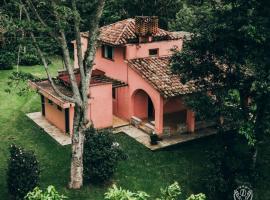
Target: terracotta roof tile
157, 71
123, 32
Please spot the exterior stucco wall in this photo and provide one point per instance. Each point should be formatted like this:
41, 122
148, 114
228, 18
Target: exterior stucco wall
115, 68
100, 106
121, 103
136, 82
173, 105
142, 50
55, 116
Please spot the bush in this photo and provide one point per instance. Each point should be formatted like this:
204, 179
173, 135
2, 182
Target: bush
49, 194
29, 59
172, 192
101, 155
23, 172
6, 60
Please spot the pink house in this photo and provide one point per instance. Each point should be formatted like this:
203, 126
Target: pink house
131, 80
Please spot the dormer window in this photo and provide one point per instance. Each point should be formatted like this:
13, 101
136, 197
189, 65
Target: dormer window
153, 52
107, 52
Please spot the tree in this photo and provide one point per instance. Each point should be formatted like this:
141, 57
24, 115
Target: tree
228, 55
61, 15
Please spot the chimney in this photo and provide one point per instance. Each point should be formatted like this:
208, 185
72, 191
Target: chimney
146, 26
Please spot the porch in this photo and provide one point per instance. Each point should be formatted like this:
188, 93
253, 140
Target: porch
167, 141
49, 128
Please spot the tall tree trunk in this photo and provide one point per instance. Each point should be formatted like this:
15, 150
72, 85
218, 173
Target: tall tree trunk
76, 171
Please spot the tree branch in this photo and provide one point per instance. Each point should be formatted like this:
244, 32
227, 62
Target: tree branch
44, 61
32, 7
66, 56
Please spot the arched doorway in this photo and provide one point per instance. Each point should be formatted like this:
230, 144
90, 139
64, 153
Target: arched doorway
143, 106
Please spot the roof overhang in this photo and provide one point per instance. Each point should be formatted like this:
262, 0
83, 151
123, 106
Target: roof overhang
57, 100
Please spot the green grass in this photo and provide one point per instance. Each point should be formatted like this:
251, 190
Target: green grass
143, 170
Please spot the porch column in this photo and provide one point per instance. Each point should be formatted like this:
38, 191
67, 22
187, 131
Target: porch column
159, 116
190, 121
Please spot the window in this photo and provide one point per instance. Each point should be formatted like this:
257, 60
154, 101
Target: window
107, 52
153, 52
59, 108
113, 93
50, 102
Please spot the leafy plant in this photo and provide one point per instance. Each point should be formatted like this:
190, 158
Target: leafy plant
154, 139
23, 172
101, 156
49, 194
199, 196
116, 193
172, 192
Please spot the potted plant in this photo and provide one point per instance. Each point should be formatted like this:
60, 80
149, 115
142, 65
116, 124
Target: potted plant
154, 138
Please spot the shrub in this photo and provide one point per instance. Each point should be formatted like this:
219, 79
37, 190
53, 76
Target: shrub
6, 60
199, 196
172, 192
49, 194
23, 172
29, 59
101, 155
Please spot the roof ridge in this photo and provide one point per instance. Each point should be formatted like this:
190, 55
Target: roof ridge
124, 29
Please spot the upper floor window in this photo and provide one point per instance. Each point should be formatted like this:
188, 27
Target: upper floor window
107, 51
153, 52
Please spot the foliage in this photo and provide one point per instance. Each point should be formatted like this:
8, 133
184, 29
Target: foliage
6, 59
199, 196
227, 167
18, 82
189, 17
172, 192
101, 155
49, 194
116, 193
29, 59
115, 10
23, 172
228, 54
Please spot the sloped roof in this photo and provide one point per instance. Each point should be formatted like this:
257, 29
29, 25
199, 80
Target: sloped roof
123, 32
157, 71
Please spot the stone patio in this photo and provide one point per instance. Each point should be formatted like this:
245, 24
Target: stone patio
144, 138
118, 122
52, 130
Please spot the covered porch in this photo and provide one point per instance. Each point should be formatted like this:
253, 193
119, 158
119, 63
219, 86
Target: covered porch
154, 114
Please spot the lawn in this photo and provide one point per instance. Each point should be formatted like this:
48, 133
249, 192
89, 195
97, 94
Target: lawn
143, 170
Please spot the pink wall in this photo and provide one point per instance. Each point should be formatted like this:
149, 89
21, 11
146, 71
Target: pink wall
115, 68
173, 105
55, 116
101, 107
136, 82
121, 103
142, 50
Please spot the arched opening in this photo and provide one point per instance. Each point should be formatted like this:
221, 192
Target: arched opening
143, 106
